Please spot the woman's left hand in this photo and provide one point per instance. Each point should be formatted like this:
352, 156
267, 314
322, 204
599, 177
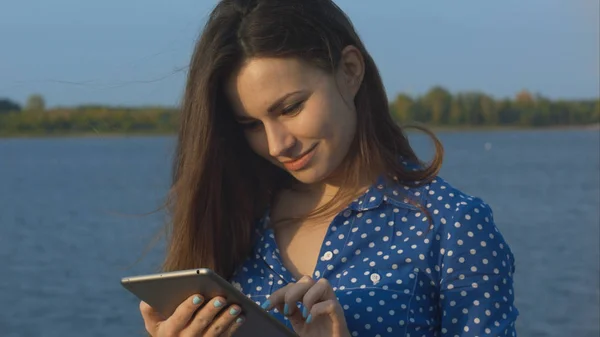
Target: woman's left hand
323, 315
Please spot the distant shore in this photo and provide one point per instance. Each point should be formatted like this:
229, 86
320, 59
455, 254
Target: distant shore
436, 129
587, 127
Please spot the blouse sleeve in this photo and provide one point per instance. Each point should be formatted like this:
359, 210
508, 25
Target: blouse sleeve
477, 266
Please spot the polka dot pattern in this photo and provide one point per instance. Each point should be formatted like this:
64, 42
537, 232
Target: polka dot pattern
442, 269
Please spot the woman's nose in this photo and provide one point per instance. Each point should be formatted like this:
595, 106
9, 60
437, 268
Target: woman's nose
279, 139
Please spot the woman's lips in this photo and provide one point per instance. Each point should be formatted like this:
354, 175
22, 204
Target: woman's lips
301, 162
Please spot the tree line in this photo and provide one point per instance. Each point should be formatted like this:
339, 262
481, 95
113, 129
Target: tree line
438, 107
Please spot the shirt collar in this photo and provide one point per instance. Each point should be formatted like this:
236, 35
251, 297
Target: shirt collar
384, 189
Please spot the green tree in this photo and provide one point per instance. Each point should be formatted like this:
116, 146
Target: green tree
35, 102
489, 113
508, 114
469, 103
438, 101
402, 108
456, 115
7, 105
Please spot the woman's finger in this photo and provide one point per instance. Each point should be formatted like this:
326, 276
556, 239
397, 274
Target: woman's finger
295, 294
239, 320
286, 298
320, 292
277, 298
182, 315
326, 308
151, 317
223, 322
204, 317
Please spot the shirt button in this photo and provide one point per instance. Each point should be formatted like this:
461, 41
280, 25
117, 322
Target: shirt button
375, 277
327, 256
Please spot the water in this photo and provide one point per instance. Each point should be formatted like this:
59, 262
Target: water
69, 229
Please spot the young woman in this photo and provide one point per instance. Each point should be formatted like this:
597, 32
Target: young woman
292, 180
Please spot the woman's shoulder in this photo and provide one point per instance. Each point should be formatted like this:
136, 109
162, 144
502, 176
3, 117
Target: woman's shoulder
451, 211
461, 221
438, 197
442, 195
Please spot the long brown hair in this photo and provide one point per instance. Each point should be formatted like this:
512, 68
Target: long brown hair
220, 186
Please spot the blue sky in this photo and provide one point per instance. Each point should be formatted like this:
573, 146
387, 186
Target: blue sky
134, 52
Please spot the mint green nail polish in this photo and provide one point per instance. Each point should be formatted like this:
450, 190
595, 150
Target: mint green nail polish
305, 312
234, 311
286, 309
196, 300
217, 304
239, 320
308, 319
266, 304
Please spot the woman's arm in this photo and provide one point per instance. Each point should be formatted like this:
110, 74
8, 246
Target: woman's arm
477, 266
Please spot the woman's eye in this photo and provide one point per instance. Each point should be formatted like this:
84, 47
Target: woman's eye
251, 125
290, 110
293, 109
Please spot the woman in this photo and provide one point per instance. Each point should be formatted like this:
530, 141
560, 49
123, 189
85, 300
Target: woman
292, 180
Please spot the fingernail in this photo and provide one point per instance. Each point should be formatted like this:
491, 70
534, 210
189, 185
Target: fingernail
304, 312
196, 300
218, 304
266, 304
239, 320
308, 319
286, 309
234, 311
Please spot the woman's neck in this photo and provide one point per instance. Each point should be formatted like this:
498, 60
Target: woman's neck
319, 194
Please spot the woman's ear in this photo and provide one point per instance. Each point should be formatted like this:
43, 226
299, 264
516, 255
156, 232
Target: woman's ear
351, 69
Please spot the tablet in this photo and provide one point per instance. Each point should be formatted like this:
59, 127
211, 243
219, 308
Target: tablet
165, 292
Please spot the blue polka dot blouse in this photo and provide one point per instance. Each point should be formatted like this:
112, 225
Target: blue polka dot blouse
400, 271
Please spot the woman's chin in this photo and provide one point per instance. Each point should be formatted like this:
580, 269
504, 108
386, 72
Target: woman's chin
309, 176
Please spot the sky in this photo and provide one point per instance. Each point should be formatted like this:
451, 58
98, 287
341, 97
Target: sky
135, 52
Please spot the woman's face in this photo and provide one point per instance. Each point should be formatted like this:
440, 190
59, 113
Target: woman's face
299, 118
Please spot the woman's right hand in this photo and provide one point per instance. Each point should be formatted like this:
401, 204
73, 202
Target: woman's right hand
193, 318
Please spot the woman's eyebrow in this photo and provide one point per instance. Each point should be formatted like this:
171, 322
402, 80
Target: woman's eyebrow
277, 104
244, 119
273, 107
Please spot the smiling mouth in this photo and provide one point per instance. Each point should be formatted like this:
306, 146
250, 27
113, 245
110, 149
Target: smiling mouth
300, 162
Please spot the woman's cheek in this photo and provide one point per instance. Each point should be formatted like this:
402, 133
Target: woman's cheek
259, 144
